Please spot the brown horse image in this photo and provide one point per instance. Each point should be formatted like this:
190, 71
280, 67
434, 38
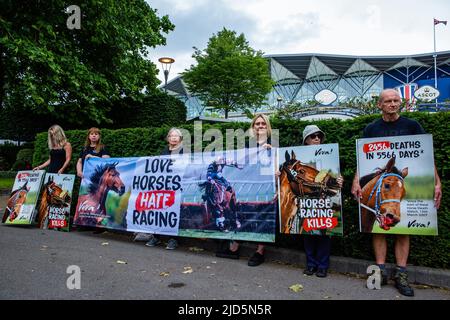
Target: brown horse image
91, 207
382, 193
298, 180
220, 204
15, 202
53, 195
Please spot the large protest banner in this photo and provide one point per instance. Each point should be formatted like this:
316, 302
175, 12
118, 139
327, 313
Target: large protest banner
21, 205
308, 192
173, 195
56, 199
237, 202
132, 194
397, 181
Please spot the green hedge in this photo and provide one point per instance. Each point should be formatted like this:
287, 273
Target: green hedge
131, 114
425, 251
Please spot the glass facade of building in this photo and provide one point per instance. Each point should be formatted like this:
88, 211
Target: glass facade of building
299, 77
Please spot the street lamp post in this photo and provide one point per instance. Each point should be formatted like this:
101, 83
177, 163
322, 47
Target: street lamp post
166, 64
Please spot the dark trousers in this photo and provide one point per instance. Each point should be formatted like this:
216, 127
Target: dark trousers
317, 250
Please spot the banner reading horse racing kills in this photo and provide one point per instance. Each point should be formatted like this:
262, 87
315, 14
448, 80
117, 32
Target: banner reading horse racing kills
309, 192
217, 195
56, 200
397, 181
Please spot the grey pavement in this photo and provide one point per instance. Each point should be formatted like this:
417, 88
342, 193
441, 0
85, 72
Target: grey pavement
34, 265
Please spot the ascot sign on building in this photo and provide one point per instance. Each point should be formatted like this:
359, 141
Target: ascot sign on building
427, 93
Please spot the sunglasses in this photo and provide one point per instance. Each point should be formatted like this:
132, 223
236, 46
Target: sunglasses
316, 135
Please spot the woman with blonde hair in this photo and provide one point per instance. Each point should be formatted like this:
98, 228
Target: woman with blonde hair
260, 137
93, 147
60, 151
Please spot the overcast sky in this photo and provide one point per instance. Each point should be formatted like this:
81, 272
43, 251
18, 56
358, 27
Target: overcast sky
365, 27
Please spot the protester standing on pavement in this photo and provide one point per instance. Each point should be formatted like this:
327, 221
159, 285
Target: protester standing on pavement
93, 147
392, 124
174, 147
260, 131
317, 246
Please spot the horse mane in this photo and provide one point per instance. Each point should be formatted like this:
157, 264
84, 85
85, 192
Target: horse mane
203, 185
97, 176
379, 171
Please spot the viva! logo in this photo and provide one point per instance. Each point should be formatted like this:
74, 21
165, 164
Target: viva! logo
155, 200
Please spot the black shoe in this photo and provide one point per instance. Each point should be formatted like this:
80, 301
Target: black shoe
227, 253
309, 271
256, 259
321, 273
384, 277
401, 283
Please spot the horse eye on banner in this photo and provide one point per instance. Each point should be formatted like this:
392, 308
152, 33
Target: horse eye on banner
293, 172
387, 186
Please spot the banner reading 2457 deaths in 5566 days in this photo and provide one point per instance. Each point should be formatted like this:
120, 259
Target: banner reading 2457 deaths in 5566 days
397, 181
309, 190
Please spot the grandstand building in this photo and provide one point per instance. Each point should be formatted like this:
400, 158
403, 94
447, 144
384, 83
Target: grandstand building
340, 78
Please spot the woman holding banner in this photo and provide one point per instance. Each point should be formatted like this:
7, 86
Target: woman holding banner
174, 147
93, 147
260, 132
317, 247
60, 151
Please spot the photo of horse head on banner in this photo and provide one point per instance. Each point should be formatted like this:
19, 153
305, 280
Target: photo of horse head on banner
101, 188
382, 193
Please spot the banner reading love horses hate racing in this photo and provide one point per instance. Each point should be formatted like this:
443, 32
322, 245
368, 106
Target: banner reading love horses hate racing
224, 195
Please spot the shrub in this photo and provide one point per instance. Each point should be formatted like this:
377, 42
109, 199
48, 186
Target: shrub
425, 251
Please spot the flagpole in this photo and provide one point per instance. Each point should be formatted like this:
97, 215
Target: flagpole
435, 56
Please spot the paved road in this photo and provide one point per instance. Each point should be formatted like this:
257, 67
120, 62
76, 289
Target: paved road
34, 265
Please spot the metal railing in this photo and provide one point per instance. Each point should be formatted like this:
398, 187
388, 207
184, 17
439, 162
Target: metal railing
245, 190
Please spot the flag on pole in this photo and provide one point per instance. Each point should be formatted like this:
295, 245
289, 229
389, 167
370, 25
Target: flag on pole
406, 92
436, 22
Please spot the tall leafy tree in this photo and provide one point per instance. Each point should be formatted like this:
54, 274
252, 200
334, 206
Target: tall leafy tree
77, 74
229, 74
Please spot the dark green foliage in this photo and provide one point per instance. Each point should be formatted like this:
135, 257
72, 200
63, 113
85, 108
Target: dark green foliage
77, 74
155, 110
7, 174
425, 251
229, 74
8, 153
23, 160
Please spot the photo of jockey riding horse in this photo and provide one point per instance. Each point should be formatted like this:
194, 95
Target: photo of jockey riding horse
219, 195
229, 196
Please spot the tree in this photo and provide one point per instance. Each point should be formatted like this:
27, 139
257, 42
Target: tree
229, 74
77, 74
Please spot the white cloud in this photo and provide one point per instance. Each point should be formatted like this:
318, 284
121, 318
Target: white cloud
345, 27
